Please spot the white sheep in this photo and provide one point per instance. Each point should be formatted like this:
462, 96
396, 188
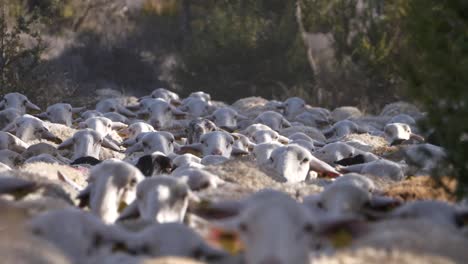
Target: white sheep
111, 183
9, 141
273, 120
60, 113
7, 116
160, 199
28, 127
87, 142
150, 142
226, 118
215, 143
18, 102
396, 133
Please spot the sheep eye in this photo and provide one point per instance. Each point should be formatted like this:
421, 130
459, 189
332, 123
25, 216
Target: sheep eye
172, 140
202, 141
25, 102
145, 250
145, 144
109, 125
308, 228
168, 109
243, 228
48, 113
133, 182
305, 160
271, 159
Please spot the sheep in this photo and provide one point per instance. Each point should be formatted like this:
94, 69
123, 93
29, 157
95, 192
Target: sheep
28, 128
345, 112
262, 152
397, 108
78, 234
312, 118
257, 219
198, 127
160, 199
60, 113
173, 239
266, 136
293, 162
185, 160
4, 168
426, 157
162, 114
197, 107
343, 128
215, 143
200, 95
226, 118
7, 116
111, 183
403, 118
102, 125
154, 164
334, 152
164, 94
10, 158
380, 168
272, 119
197, 178
312, 132
293, 106
87, 142
251, 129
116, 117
88, 114
396, 133
46, 158
435, 211
242, 142
347, 199
154, 141
113, 105
43, 148
135, 129
17, 101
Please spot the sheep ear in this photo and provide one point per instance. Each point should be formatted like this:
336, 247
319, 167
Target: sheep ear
129, 212
42, 115
241, 117
323, 167
10, 127
176, 102
283, 139
225, 210
32, 106
134, 148
84, 196
67, 143
195, 149
285, 123
2, 103
462, 216
238, 152
133, 107
67, 180
126, 112
77, 110
110, 145
178, 112
118, 125
417, 137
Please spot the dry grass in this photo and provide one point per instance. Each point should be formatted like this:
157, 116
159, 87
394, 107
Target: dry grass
422, 188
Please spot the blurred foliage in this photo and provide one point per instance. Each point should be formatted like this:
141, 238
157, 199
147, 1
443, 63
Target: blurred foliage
20, 49
436, 65
243, 48
365, 36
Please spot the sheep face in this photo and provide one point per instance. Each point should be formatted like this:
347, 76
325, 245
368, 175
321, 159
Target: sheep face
291, 163
9, 141
273, 120
77, 233
165, 94
335, 151
274, 229
173, 239
102, 125
7, 116
293, 106
29, 127
135, 129
226, 118
196, 107
162, 199
214, 143
154, 141
197, 128
87, 142
262, 152
112, 183
396, 133
60, 113
113, 105
162, 114
18, 102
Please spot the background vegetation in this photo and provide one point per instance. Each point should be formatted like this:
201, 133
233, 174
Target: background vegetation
331, 52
